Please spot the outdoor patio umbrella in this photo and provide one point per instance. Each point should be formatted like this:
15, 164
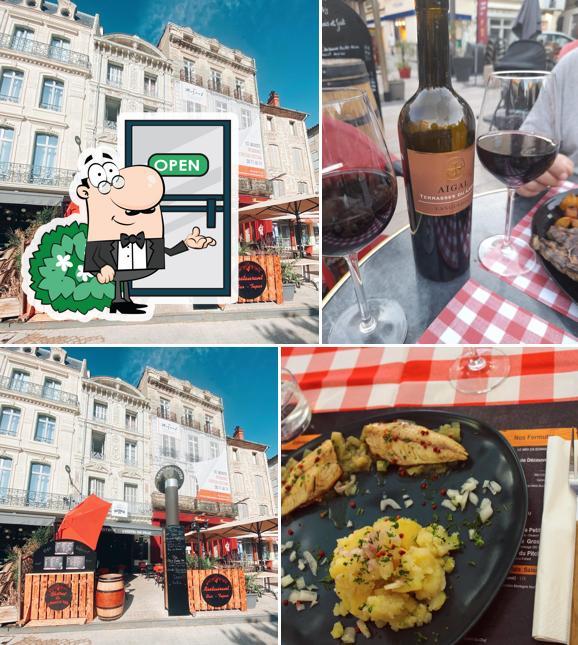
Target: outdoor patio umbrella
247, 528
84, 522
528, 23
295, 205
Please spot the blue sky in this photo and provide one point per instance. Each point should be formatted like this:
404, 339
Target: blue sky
282, 36
245, 377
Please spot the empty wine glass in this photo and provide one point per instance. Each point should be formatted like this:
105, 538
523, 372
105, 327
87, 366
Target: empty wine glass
517, 141
295, 409
479, 370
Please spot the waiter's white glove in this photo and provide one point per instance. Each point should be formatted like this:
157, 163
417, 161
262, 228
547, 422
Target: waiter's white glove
197, 241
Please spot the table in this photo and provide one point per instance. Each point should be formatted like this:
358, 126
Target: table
306, 265
389, 271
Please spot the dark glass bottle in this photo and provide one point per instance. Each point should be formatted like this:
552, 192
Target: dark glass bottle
437, 135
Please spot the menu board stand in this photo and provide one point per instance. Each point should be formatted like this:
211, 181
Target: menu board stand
176, 590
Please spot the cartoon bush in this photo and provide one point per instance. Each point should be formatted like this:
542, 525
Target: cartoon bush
57, 276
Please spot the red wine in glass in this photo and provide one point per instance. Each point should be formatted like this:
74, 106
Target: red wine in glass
514, 157
357, 206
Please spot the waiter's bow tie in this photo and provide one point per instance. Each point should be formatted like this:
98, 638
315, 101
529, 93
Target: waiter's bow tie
139, 239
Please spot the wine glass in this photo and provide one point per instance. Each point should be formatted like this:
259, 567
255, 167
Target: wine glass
517, 141
479, 370
359, 199
295, 409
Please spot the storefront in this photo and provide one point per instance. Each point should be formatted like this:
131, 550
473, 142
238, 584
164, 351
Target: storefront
122, 546
16, 528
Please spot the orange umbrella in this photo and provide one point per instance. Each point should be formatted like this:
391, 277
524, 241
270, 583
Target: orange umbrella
84, 522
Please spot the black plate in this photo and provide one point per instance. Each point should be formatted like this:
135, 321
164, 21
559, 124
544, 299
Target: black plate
470, 589
543, 218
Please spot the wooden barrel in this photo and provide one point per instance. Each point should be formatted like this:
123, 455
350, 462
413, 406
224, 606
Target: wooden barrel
110, 596
345, 76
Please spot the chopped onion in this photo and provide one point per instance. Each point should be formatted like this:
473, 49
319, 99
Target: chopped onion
472, 533
311, 561
286, 546
363, 628
406, 496
301, 564
495, 488
469, 485
452, 492
287, 580
299, 606
349, 524
348, 635
389, 503
485, 511
342, 487
293, 556
408, 503
312, 587
448, 504
300, 583
474, 499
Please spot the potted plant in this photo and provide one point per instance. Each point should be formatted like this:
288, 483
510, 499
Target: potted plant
291, 280
403, 66
253, 590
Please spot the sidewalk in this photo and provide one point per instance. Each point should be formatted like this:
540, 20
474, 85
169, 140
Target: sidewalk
293, 322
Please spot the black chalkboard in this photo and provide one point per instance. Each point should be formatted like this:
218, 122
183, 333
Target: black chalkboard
58, 596
345, 35
252, 280
176, 571
64, 555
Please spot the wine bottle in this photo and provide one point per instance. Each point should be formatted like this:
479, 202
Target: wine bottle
437, 135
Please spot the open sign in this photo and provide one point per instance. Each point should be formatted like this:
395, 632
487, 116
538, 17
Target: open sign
180, 165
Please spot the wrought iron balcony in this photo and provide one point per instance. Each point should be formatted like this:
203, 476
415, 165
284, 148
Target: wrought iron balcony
37, 49
190, 423
14, 498
193, 505
21, 173
256, 187
109, 125
166, 414
37, 391
96, 454
136, 508
190, 77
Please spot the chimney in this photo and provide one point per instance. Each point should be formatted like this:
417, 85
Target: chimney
238, 433
273, 99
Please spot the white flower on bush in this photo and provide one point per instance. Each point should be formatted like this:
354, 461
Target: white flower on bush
63, 262
81, 275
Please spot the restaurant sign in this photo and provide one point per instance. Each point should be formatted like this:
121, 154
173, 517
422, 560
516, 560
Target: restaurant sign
252, 280
58, 596
216, 590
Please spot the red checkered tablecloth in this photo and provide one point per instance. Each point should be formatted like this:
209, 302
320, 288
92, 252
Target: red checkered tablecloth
476, 315
359, 378
537, 283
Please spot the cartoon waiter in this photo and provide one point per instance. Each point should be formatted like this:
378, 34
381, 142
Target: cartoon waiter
125, 239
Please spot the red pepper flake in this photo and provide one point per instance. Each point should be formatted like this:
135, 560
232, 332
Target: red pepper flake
321, 554
285, 602
402, 472
423, 485
434, 506
290, 531
393, 460
436, 449
443, 491
398, 517
380, 554
317, 459
434, 477
401, 536
401, 552
424, 433
352, 504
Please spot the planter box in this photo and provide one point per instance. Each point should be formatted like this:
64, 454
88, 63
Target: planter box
251, 600
195, 578
289, 291
271, 264
405, 72
396, 90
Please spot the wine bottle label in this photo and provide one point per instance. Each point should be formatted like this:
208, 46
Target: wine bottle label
442, 183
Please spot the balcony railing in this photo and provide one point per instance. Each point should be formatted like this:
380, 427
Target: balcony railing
215, 86
109, 125
44, 50
166, 414
38, 391
190, 423
190, 77
14, 498
151, 91
20, 173
193, 505
96, 454
114, 82
256, 187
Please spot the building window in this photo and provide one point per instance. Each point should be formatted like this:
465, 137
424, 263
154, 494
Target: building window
5, 472
263, 510
194, 451
189, 416
193, 106
150, 85
165, 407
99, 411
111, 112
96, 486
19, 381
274, 156
51, 96
38, 484
260, 486
22, 39
255, 461
130, 420
169, 446
9, 420
45, 427
239, 482
6, 140
11, 85
97, 445
269, 124
297, 154
235, 454
239, 88
44, 158
149, 108
130, 453
189, 71
59, 48
246, 121
216, 80
51, 389
114, 74
214, 450
220, 106
301, 187
278, 187
293, 128
130, 491
208, 423
242, 510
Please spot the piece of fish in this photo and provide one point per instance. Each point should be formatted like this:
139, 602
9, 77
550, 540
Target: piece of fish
404, 443
311, 478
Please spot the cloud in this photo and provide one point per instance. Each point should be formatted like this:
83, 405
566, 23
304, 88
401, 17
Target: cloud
173, 360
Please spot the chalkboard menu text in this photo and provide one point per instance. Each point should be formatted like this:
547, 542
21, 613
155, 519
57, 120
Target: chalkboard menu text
252, 280
176, 571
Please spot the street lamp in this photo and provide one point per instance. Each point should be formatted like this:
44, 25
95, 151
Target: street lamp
78, 142
67, 469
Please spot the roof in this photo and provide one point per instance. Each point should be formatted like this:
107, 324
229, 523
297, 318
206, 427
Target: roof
47, 354
51, 8
287, 113
273, 461
249, 445
313, 130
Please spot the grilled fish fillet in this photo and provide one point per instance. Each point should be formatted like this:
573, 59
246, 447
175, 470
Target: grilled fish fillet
312, 477
404, 443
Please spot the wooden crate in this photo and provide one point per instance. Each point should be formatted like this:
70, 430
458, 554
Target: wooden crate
195, 578
80, 610
271, 264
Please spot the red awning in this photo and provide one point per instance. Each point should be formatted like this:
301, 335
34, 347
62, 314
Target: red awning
85, 521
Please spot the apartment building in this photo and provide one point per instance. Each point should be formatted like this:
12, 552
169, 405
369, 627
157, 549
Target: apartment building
273, 465
45, 65
39, 413
313, 138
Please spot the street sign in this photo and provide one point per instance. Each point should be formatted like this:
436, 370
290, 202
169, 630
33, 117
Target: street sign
216, 590
58, 596
252, 280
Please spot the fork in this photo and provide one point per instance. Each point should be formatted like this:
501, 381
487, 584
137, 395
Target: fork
573, 483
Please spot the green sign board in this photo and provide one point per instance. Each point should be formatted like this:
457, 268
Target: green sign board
180, 165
